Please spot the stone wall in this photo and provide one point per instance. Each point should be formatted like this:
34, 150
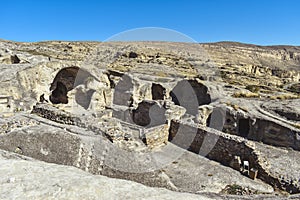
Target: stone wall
277, 134
211, 143
222, 148
86, 152
261, 128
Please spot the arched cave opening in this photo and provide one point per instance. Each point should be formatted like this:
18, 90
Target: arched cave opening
216, 119
66, 80
59, 94
158, 92
149, 113
190, 94
243, 127
201, 91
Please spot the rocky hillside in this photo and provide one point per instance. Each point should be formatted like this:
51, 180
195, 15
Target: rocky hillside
216, 120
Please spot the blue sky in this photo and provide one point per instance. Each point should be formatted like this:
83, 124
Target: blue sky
264, 22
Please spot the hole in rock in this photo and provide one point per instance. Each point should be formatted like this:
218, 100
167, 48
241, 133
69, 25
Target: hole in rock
190, 94
70, 77
141, 114
243, 127
65, 80
59, 95
201, 92
110, 74
158, 92
15, 59
217, 118
149, 113
133, 55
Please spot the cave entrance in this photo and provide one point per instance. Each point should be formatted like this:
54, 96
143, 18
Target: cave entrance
201, 92
190, 94
243, 127
149, 114
158, 92
66, 80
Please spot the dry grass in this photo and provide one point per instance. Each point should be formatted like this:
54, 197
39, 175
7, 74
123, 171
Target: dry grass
284, 97
161, 74
297, 125
236, 107
253, 88
245, 95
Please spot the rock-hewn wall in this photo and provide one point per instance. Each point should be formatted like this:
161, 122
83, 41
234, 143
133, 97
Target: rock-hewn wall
223, 148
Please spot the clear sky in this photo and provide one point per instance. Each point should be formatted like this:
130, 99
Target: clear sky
264, 22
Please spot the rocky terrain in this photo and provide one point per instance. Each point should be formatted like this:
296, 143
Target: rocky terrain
173, 120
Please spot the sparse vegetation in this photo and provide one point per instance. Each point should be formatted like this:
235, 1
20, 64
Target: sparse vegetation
161, 74
17, 109
236, 190
245, 95
253, 88
296, 126
295, 88
245, 118
284, 96
236, 107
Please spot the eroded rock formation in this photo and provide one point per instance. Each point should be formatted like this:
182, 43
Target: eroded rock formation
169, 115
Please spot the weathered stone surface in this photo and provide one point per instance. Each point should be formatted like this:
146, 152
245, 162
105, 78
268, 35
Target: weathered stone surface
289, 109
204, 113
25, 178
117, 104
224, 148
69, 145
